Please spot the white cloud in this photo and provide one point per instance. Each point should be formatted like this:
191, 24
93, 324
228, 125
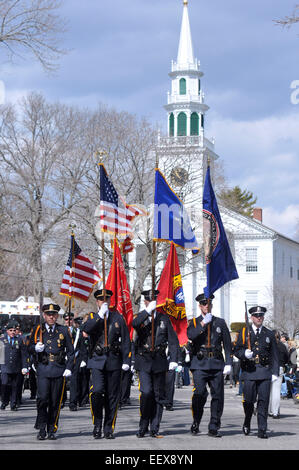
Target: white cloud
284, 222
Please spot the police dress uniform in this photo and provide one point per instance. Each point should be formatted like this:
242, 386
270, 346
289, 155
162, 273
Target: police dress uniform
50, 365
152, 365
257, 372
207, 364
16, 357
106, 364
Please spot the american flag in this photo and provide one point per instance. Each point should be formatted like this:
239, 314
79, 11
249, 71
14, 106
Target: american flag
80, 274
115, 219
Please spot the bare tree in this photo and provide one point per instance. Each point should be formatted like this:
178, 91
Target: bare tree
32, 27
290, 20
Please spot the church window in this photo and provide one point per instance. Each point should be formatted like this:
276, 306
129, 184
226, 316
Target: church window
251, 260
251, 297
199, 87
182, 124
202, 121
171, 125
194, 124
182, 86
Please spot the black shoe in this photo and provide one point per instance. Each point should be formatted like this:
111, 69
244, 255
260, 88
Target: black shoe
109, 435
14, 408
42, 435
140, 433
262, 435
275, 416
155, 434
3, 406
73, 408
51, 436
246, 430
169, 408
214, 433
194, 429
97, 434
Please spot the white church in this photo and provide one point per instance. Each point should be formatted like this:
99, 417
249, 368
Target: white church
267, 262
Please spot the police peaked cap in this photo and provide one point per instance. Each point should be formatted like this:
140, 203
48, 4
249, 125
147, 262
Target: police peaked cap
257, 310
78, 319
148, 294
202, 297
52, 308
99, 294
12, 324
68, 315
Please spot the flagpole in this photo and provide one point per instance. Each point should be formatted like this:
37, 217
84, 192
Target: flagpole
209, 300
101, 154
154, 255
73, 257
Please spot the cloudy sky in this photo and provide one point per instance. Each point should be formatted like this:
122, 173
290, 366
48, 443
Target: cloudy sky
120, 55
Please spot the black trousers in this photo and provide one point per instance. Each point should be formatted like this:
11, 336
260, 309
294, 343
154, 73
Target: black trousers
169, 387
215, 380
49, 397
152, 399
256, 390
125, 386
105, 394
10, 388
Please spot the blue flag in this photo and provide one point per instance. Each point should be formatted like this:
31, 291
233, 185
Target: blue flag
219, 261
171, 221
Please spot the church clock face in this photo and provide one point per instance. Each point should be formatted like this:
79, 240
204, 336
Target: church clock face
179, 176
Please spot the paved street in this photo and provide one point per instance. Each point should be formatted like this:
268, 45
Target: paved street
17, 432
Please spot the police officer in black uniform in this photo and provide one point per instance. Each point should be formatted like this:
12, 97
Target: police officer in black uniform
51, 346
109, 355
151, 362
258, 354
14, 367
209, 334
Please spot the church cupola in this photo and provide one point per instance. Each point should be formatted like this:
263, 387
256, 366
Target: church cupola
185, 104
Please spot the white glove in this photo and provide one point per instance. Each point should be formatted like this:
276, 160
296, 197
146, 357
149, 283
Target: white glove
151, 306
173, 365
207, 318
227, 370
67, 373
39, 347
187, 357
125, 367
83, 364
248, 354
132, 369
179, 369
103, 310
24, 371
274, 377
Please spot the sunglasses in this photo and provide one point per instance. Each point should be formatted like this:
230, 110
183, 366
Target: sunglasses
204, 302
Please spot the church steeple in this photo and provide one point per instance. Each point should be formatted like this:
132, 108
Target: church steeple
185, 56
185, 103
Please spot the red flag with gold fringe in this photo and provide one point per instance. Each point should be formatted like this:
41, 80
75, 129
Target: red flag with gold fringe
117, 283
171, 295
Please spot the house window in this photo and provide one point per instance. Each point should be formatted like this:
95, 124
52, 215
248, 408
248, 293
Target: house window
251, 298
291, 272
199, 87
251, 260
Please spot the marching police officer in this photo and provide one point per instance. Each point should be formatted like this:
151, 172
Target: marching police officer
14, 367
52, 344
109, 354
258, 353
209, 334
151, 362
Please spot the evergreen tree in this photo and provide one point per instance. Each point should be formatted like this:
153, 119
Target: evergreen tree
239, 200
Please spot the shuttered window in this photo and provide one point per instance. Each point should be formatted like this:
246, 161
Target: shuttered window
182, 124
194, 124
182, 86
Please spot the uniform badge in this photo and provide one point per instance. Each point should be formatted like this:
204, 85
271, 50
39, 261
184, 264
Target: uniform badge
162, 324
267, 340
116, 325
61, 336
218, 329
